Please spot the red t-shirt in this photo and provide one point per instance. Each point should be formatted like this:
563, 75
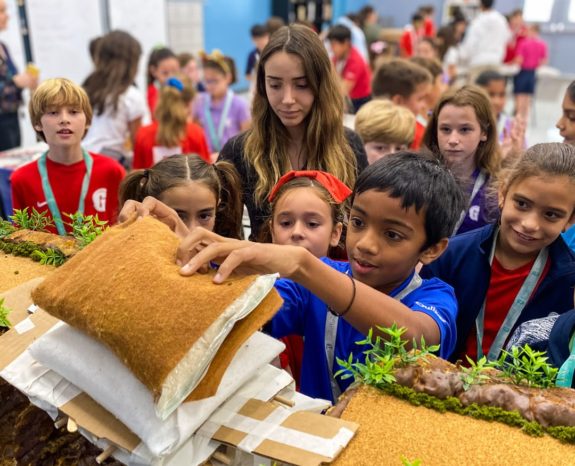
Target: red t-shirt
418, 136
153, 96
66, 182
504, 286
194, 142
408, 40
357, 71
428, 27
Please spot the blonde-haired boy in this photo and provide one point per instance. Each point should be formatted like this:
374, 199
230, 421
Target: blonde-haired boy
66, 179
385, 128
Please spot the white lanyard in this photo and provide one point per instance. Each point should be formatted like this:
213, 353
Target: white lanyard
331, 322
516, 308
477, 185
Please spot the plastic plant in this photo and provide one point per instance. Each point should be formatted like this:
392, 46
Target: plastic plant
383, 356
6, 228
406, 462
86, 228
524, 365
476, 372
49, 257
34, 220
4, 311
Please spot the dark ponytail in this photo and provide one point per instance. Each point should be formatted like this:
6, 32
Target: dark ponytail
230, 208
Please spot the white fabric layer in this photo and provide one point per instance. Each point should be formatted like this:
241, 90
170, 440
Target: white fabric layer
93, 368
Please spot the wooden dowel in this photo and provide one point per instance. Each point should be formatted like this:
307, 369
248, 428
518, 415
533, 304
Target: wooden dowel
105, 454
284, 401
60, 422
222, 458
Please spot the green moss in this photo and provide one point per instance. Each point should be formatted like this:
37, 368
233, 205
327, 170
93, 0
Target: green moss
486, 413
534, 429
562, 433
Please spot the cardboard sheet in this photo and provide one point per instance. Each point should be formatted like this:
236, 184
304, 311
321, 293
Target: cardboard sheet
274, 431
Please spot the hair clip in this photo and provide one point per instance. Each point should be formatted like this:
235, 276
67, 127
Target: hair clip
338, 190
175, 83
217, 57
146, 173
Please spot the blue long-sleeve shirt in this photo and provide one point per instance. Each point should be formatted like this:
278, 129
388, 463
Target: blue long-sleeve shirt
305, 314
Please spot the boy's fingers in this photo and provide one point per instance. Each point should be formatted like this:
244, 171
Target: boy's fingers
207, 254
234, 261
193, 243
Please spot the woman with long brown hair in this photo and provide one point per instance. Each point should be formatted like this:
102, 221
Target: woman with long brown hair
297, 121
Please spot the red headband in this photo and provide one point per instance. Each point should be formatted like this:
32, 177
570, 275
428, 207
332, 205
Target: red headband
337, 189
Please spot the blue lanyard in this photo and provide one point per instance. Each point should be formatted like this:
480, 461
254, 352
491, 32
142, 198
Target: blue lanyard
516, 308
216, 138
49, 194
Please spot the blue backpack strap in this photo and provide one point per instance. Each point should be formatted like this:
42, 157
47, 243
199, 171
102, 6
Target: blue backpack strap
562, 348
565, 375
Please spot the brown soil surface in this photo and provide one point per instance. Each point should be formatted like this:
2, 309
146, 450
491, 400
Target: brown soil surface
17, 270
391, 429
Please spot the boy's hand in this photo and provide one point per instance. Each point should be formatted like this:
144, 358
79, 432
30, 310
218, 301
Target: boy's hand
202, 247
152, 207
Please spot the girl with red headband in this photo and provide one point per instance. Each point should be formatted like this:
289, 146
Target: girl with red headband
307, 210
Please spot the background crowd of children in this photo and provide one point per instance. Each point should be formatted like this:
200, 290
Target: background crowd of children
436, 175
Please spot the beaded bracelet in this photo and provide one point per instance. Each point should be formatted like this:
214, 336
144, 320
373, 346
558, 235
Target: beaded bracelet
346, 310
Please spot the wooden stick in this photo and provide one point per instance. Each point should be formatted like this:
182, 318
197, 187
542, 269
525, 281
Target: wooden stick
71, 425
61, 422
284, 401
105, 454
222, 458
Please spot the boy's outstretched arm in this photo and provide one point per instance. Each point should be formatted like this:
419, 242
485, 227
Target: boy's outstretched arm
369, 307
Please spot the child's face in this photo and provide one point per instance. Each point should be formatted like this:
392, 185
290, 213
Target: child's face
376, 150
534, 212
63, 127
166, 69
416, 102
287, 89
458, 135
384, 241
261, 42
194, 202
302, 218
216, 82
339, 49
192, 71
425, 49
566, 123
496, 91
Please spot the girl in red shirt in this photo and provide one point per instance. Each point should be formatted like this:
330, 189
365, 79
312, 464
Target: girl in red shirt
172, 132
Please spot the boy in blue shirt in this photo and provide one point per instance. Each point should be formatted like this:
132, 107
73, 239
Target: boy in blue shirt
405, 206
